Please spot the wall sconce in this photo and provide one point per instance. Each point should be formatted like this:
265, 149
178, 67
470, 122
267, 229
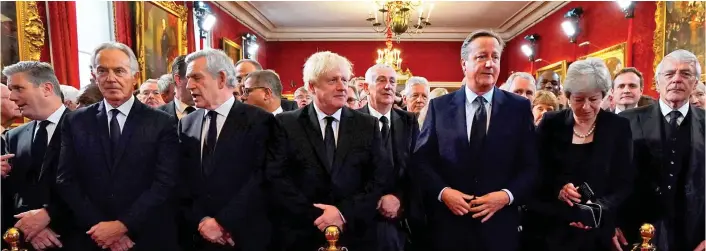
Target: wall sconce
204, 18
529, 50
251, 46
571, 25
628, 8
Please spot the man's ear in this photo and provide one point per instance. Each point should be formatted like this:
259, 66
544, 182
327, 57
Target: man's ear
463, 65
366, 86
222, 79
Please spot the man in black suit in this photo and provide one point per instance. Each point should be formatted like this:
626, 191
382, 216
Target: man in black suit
183, 103
668, 142
247, 66
263, 89
328, 167
400, 207
29, 188
461, 158
227, 206
118, 164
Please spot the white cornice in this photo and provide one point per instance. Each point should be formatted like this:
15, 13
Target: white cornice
247, 14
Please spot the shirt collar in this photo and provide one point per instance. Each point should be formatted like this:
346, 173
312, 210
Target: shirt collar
684, 109
377, 114
471, 96
56, 116
224, 109
321, 115
179, 106
124, 108
278, 111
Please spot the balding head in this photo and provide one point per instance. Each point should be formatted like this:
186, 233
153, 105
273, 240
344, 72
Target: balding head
245, 67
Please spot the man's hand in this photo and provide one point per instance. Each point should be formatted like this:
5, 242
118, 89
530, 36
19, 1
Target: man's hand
5, 164
486, 205
46, 238
579, 225
331, 216
212, 231
456, 201
32, 222
123, 244
701, 246
107, 232
619, 240
570, 194
389, 206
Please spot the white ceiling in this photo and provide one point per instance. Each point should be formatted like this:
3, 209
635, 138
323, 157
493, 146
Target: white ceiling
345, 20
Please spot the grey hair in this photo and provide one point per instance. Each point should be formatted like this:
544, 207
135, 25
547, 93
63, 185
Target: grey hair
257, 65
268, 78
301, 90
151, 81
134, 67
164, 82
701, 86
370, 73
37, 73
465, 50
415, 81
587, 75
524, 75
70, 93
216, 61
438, 92
681, 56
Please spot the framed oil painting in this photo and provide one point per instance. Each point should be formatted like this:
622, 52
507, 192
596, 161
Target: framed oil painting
680, 25
614, 58
558, 67
161, 36
232, 49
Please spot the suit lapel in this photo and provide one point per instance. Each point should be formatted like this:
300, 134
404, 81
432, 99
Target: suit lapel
53, 148
345, 134
457, 114
652, 122
234, 121
694, 185
102, 121
131, 124
497, 116
399, 136
310, 122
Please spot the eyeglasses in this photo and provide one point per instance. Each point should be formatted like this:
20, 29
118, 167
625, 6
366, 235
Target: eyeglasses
247, 91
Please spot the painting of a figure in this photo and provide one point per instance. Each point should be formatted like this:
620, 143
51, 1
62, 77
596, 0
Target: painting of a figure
232, 49
684, 28
160, 39
614, 57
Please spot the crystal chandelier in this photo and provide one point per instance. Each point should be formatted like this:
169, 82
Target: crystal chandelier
395, 16
389, 56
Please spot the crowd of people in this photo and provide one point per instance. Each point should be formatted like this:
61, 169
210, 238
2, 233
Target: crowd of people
212, 157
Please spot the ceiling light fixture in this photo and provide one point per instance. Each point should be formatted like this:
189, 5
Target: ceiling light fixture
396, 16
571, 25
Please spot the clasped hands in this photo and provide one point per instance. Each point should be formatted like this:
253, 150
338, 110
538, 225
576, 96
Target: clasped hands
484, 206
389, 206
214, 232
34, 224
111, 234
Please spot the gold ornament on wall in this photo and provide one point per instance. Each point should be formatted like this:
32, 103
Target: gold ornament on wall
30, 31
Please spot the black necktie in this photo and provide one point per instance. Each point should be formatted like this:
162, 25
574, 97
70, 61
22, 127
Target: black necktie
673, 125
209, 145
329, 140
478, 128
39, 144
189, 109
385, 129
114, 129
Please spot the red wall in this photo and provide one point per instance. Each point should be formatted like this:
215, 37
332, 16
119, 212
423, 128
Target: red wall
603, 24
436, 61
231, 28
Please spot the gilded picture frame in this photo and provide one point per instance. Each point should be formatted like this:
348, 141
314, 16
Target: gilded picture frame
232, 49
613, 56
141, 23
666, 40
558, 67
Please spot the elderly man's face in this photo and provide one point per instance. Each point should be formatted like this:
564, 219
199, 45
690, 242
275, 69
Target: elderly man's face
168, 96
254, 94
26, 96
149, 95
523, 87
113, 75
330, 90
676, 80
698, 98
352, 102
383, 90
203, 86
549, 81
243, 70
8, 108
483, 64
302, 99
626, 89
417, 98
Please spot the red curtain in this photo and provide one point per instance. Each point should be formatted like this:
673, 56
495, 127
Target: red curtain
123, 23
64, 41
191, 44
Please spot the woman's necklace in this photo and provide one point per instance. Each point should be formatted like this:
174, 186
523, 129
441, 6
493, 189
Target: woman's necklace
589, 133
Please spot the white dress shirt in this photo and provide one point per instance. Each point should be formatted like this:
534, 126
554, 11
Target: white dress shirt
322, 122
124, 111
470, 112
180, 107
222, 112
278, 111
377, 115
684, 110
53, 121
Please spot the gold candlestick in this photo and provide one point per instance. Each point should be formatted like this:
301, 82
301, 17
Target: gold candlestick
12, 237
647, 232
332, 233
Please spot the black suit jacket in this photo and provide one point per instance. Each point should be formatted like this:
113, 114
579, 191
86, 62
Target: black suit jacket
300, 178
232, 192
288, 105
169, 108
135, 188
645, 205
609, 173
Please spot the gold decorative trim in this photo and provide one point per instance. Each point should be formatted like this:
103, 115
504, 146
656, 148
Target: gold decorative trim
613, 51
30, 31
288, 96
659, 36
558, 67
233, 44
172, 8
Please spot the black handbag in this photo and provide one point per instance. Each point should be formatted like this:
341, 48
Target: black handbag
589, 212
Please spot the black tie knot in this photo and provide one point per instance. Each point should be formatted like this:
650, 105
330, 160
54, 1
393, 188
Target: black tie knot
329, 119
212, 115
189, 109
114, 113
674, 115
43, 125
384, 120
480, 100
